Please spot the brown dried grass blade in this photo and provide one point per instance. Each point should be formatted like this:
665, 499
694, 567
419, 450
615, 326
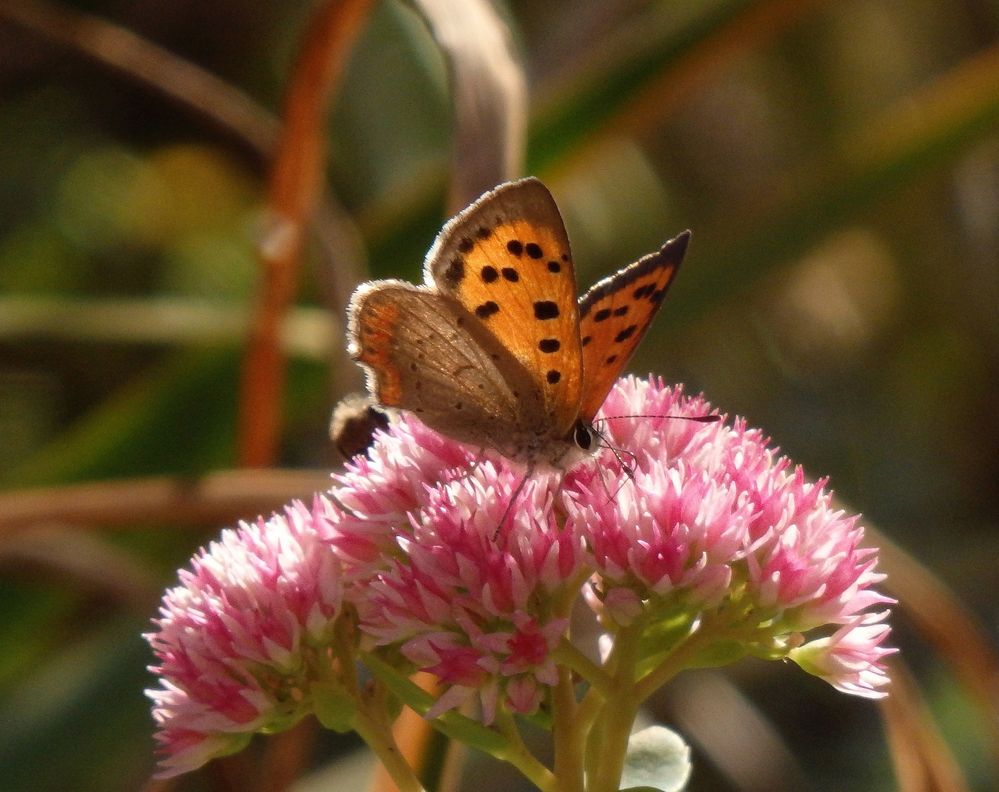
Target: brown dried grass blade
489, 95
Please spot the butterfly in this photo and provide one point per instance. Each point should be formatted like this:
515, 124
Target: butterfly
494, 349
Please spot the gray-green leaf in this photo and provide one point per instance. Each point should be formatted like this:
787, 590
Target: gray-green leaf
658, 759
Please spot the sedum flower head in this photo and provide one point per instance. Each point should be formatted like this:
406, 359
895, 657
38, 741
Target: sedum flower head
241, 639
457, 562
712, 526
472, 601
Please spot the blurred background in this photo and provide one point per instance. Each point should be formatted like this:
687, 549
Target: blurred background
838, 164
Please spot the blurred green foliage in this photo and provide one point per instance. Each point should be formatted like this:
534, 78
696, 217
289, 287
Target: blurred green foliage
839, 168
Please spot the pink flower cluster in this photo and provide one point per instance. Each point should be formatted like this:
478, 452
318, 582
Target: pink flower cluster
242, 637
423, 541
711, 519
472, 600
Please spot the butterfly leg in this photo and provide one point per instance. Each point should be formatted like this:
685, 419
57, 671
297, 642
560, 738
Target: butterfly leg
631, 477
619, 453
477, 460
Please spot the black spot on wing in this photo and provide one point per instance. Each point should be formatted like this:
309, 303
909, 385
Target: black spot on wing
487, 309
455, 272
625, 334
545, 309
662, 265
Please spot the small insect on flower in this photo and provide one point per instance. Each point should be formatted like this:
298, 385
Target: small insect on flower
354, 422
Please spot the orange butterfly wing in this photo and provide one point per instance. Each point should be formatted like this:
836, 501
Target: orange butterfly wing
616, 312
506, 259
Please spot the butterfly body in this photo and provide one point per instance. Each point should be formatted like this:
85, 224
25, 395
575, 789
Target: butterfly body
494, 349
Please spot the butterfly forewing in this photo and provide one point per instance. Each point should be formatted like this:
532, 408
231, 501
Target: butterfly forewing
616, 312
506, 259
426, 354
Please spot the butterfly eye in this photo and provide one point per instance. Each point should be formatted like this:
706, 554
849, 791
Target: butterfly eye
583, 436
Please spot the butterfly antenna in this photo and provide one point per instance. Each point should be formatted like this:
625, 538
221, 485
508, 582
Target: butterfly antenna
696, 418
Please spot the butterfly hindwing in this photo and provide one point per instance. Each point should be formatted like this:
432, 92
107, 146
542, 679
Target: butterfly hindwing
616, 312
506, 259
424, 353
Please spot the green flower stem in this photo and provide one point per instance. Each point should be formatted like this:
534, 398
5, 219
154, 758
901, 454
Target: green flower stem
588, 710
608, 742
675, 662
570, 731
582, 726
374, 729
566, 597
616, 721
569, 739
370, 719
517, 754
343, 652
568, 655
451, 724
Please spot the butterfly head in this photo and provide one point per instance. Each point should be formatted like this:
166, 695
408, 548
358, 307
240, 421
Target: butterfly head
581, 443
